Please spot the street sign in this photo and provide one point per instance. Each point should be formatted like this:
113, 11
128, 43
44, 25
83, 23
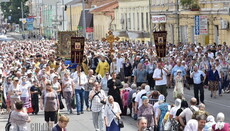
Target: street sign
23, 20
197, 25
201, 25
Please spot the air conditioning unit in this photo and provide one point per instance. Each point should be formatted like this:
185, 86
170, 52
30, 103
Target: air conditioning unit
224, 24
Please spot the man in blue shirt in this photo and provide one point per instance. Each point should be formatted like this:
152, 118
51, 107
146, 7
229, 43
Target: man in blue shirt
197, 75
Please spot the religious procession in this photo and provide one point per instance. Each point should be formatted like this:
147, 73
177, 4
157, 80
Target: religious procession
113, 82
114, 65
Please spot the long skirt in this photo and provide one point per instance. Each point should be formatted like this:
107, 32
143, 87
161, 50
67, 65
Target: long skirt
26, 102
113, 127
213, 85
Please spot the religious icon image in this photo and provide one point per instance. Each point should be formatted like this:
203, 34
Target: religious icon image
77, 46
160, 40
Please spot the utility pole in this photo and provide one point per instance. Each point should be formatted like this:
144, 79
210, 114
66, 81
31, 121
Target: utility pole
150, 23
71, 27
22, 11
56, 21
63, 16
84, 19
178, 21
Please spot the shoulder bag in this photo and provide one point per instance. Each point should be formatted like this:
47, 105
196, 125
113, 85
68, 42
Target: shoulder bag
120, 121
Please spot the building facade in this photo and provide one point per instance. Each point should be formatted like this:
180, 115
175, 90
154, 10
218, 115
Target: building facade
180, 24
103, 19
132, 20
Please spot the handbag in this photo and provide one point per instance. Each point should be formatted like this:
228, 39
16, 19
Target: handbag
8, 124
30, 109
120, 121
73, 103
167, 125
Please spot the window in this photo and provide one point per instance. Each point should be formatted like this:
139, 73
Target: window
129, 21
147, 20
134, 21
138, 21
142, 21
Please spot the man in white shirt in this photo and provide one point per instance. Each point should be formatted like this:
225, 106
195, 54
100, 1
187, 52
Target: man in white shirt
188, 112
98, 100
160, 77
80, 80
138, 99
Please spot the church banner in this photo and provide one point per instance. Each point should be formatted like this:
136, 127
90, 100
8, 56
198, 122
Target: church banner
160, 43
64, 44
77, 49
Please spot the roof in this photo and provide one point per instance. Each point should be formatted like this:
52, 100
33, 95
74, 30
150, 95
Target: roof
108, 7
74, 2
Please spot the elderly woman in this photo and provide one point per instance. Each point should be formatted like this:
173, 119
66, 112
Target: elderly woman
57, 87
68, 91
213, 81
111, 115
220, 124
210, 122
147, 111
49, 100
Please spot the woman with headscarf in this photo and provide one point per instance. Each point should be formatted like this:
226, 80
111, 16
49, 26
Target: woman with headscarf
147, 111
210, 122
173, 111
192, 125
162, 109
220, 124
112, 114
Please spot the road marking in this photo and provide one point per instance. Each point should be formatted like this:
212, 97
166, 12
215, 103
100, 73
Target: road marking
212, 102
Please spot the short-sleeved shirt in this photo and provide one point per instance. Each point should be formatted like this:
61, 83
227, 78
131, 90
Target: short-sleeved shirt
141, 75
176, 68
160, 73
187, 113
14, 90
19, 118
68, 88
50, 101
197, 76
138, 97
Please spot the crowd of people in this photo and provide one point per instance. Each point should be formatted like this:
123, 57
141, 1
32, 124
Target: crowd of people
130, 81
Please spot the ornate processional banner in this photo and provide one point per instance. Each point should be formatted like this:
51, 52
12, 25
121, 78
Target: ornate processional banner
77, 49
64, 43
160, 43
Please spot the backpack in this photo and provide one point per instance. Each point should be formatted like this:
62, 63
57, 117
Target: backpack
8, 124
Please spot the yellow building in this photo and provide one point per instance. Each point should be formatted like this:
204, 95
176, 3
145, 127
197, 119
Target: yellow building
103, 16
73, 13
132, 20
165, 16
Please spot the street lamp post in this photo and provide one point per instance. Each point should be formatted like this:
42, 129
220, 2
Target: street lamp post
22, 11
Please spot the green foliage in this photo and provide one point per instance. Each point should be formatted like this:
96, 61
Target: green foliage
190, 4
13, 9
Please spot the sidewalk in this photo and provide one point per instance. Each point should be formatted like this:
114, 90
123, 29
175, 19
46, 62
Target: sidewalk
15, 35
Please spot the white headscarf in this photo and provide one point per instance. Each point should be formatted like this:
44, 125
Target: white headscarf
220, 121
192, 125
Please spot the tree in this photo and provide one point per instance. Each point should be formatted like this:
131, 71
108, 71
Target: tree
190, 4
13, 9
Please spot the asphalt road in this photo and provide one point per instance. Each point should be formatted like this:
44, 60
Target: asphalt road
84, 122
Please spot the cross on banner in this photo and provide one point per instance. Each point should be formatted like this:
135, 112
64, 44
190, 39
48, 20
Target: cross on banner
110, 39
